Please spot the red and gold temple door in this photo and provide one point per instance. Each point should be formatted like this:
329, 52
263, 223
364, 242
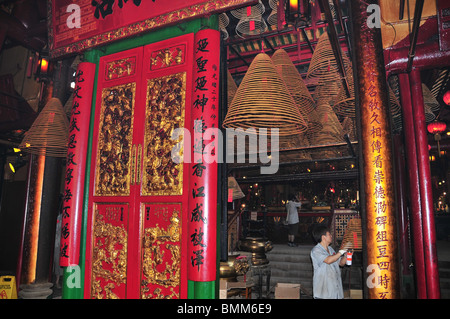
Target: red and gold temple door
138, 203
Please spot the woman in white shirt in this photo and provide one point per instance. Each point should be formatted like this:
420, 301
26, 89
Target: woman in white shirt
292, 206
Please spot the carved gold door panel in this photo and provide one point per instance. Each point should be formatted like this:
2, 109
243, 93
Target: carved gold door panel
161, 251
109, 247
165, 113
115, 138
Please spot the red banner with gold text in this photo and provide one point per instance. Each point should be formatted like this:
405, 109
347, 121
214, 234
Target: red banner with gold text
202, 223
76, 164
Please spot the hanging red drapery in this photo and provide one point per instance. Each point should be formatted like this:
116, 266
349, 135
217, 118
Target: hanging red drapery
76, 164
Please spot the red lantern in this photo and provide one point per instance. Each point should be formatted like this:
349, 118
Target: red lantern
437, 128
446, 97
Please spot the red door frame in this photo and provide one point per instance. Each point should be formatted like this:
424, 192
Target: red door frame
142, 73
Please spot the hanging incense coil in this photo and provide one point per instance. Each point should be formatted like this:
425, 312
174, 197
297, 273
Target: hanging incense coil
353, 235
349, 128
273, 4
252, 25
329, 120
272, 19
68, 106
296, 141
430, 104
328, 90
429, 99
298, 90
345, 105
429, 115
331, 132
234, 186
251, 21
314, 125
345, 102
396, 111
323, 62
262, 100
393, 103
224, 21
232, 88
294, 81
49, 134
254, 10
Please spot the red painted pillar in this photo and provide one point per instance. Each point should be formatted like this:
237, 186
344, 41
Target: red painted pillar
402, 211
414, 187
426, 196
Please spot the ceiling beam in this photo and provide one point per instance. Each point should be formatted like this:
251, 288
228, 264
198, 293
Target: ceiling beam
414, 34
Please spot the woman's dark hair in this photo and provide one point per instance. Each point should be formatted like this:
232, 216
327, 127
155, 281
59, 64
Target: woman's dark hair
318, 231
291, 197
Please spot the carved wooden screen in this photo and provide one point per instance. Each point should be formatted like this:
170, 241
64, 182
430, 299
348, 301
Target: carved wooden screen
138, 197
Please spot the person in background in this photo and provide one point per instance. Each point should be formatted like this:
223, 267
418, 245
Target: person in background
327, 281
292, 218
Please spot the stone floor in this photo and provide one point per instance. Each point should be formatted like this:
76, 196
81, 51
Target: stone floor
443, 251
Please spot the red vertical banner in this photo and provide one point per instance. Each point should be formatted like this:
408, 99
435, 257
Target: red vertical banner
202, 219
76, 164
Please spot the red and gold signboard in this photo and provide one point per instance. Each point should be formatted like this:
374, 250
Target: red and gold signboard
76, 164
77, 26
205, 138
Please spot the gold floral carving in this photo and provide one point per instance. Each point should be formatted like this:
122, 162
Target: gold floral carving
159, 271
113, 171
167, 57
109, 258
164, 113
120, 68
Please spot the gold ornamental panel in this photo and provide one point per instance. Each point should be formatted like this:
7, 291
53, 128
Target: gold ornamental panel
120, 68
165, 112
161, 251
109, 252
113, 171
167, 57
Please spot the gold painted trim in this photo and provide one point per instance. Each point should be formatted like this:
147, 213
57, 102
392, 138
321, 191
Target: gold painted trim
138, 165
133, 164
175, 17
